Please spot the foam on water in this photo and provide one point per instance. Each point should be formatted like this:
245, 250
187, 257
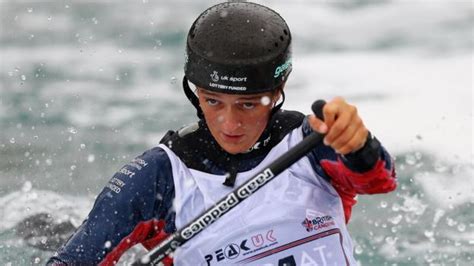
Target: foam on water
411, 102
19, 205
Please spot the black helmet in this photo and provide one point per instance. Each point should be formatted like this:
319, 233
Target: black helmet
238, 48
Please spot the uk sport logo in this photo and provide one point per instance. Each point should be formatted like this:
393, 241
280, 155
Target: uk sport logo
215, 76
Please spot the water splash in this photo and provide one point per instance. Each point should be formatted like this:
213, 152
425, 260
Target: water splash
90, 158
265, 100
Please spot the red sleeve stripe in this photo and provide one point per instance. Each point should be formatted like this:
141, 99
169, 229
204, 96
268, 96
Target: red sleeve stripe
148, 233
348, 183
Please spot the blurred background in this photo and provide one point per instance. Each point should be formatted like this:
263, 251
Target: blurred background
85, 86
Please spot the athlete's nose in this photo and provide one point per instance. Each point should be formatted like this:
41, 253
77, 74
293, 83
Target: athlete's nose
230, 120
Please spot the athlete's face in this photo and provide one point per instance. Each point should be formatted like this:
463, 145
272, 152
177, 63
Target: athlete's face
236, 121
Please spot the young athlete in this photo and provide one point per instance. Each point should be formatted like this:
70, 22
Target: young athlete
238, 57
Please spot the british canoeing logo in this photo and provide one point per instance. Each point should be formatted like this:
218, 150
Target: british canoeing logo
318, 223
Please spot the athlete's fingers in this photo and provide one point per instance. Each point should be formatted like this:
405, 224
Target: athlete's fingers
345, 118
354, 144
347, 134
317, 125
330, 112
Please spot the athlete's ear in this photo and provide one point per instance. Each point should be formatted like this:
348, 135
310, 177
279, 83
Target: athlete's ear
277, 94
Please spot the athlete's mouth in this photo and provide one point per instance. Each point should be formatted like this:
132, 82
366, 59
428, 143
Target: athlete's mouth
232, 137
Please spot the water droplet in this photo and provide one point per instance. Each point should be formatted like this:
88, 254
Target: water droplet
23, 77
188, 183
451, 222
391, 240
107, 244
72, 130
50, 18
358, 250
91, 158
396, 219
429, 234
438, 214
410, 159
35, 137
440, 167
73, 167
145, 259
12, 140
30, 10
395, 207
418, 155
159, 197
461, 227
38, 260
173, 80
265, 100
383, 204
27, 186
117, 77
27, 154
83, 146
49, 161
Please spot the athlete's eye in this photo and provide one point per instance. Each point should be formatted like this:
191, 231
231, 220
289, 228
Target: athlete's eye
248, 105
212, 102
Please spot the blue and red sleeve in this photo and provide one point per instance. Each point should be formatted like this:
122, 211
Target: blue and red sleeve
134, 207
352, 175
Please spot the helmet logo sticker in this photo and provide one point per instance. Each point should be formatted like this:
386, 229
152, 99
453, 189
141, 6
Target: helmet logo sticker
281, 68
215, 76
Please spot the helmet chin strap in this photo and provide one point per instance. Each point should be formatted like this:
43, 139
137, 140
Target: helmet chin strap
195, 101
192, 98
277, 107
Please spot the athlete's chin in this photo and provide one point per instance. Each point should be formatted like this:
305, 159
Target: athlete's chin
235, 148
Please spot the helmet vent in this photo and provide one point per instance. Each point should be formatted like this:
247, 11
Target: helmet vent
285, 32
